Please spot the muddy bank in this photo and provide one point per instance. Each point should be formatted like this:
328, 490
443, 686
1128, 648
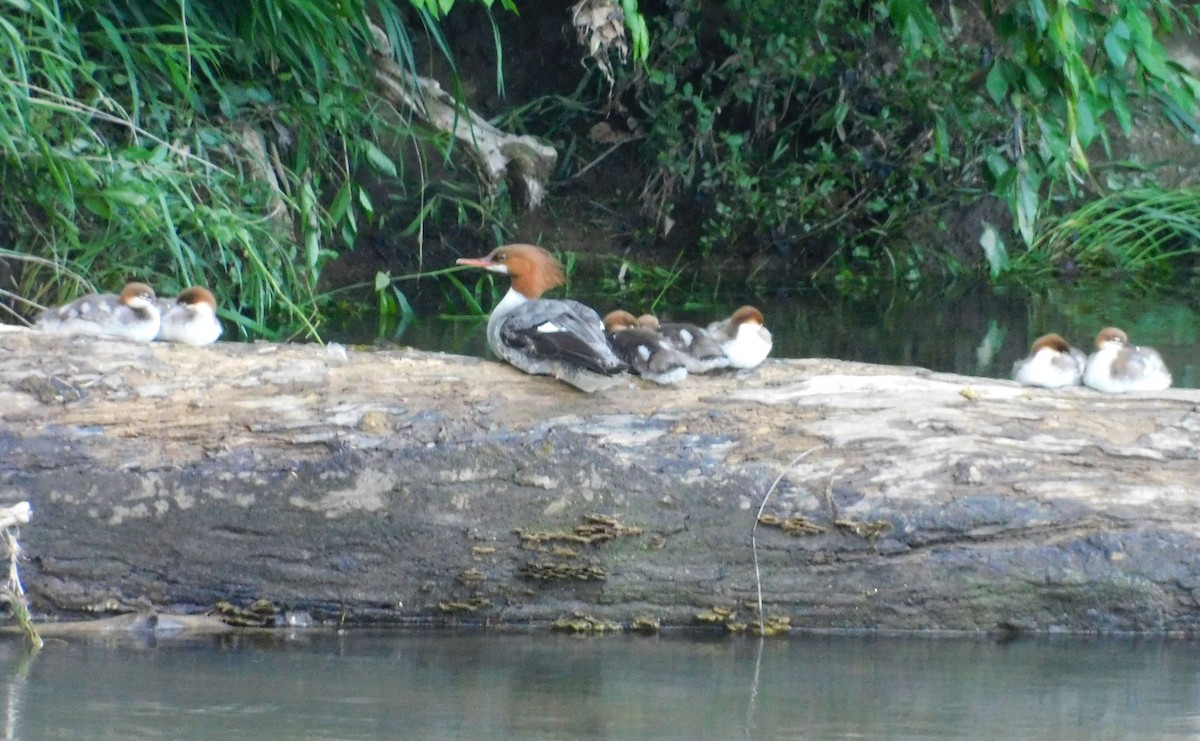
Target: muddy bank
405, 486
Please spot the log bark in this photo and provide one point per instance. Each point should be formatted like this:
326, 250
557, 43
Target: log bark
402, 486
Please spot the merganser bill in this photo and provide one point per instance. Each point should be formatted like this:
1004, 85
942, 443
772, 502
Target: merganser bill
744, 339
547, 337
700, 351
132, 315
1052, 363
650, 356
191, 318
1118, 366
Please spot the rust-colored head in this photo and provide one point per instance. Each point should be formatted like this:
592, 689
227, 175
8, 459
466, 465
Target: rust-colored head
136, 294
197, 295
746, 315
1111, 335
649, 321
1050, 341
615, 321
533, 270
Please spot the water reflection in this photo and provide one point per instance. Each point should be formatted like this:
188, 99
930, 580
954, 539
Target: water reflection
418, 685
970, 330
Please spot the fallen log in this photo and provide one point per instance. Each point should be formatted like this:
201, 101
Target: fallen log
402, 486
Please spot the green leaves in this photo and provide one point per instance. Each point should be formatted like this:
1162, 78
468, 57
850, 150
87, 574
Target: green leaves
915, 22
997, 81
439, 7
1026, 188
1131, 230
994, 250
1118, 43
639, 32
378, 160
1061, 94
391, 300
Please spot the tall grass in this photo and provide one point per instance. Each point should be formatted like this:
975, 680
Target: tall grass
1131, 230
189, 142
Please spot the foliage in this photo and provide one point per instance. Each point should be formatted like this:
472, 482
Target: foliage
1130, 230
823, 131
639, 31
1061, 91
788, 128
203, 142
236, 144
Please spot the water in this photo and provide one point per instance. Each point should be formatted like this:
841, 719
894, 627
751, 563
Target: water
487, 686
974, 331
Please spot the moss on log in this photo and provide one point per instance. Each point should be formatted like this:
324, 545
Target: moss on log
402, 486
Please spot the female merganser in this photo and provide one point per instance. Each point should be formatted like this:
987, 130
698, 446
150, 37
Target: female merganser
701, 352
191, 318
1052, 363
1118, 366
132, 315
547, 337
744, 339
650, 356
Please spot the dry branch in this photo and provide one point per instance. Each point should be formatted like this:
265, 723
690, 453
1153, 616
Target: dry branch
523, 161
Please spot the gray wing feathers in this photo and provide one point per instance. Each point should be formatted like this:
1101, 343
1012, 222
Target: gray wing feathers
561, 330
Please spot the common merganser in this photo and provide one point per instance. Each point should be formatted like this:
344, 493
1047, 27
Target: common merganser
650, 356
191, 318
1118, 366
700, 351
1051, 363
132, 315
744, 339
547, 337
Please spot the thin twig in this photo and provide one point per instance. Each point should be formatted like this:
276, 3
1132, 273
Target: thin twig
754, 531
11, 312
187, 41
833, 508
56, 265
603, 154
